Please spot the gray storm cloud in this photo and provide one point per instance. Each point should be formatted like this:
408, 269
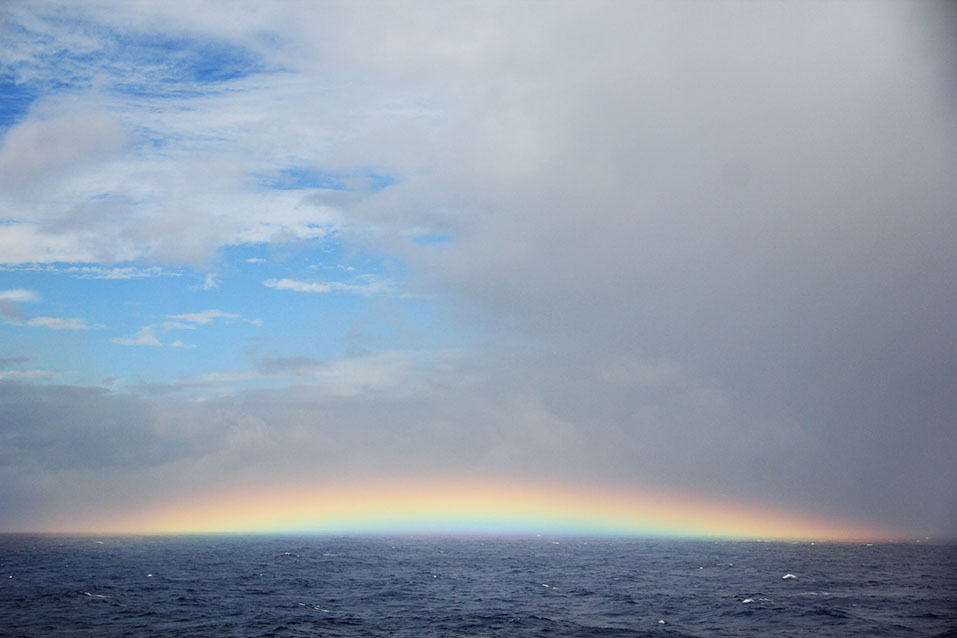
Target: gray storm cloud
763, 201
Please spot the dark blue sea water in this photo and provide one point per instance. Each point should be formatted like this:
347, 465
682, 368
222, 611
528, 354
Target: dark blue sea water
441, 586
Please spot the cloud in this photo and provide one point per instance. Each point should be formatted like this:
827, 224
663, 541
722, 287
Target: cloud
15, 315
94, 272
69, 439
62, 323
26, 242
371, 286
211, 281
19, 295
288, 365
116, 167
30, 374
298, 286
205, 317
11, 312
178, 325
120, 272
146, 336
40, 150
397, 414
9, 309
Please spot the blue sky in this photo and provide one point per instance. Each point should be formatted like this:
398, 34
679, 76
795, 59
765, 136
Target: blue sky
131, 325
657, 245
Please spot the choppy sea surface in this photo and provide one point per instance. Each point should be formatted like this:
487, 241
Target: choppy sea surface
446, 586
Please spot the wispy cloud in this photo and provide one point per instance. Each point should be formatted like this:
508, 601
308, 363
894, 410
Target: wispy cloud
32, 374
26, 374
371, 286
299, 286
178, 325
211, 281
13, 314
6, 362
62, 323
205, 317
146, 336
292, 366
95, 272
118, 272
19, 295
216, 379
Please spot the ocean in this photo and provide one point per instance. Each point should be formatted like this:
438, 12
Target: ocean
471, 586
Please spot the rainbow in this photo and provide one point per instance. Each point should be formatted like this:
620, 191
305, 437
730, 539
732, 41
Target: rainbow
436, 506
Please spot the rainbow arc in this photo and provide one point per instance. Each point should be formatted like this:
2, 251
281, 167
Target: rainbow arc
477, 507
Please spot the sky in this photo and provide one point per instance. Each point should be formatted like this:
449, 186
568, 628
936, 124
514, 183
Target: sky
692, 255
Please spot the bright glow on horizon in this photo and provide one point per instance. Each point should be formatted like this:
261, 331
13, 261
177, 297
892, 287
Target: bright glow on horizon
473, 507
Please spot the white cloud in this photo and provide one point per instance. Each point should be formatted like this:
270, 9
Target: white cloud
19, 295
298, 286
97, 199
211, 281
178, 325
118, 272
31, 374
27, 242
205, 317
62, 323
370, 286
146, 336
94, 272
37, 151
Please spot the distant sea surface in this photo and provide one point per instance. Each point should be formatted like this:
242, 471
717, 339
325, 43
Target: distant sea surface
445, 586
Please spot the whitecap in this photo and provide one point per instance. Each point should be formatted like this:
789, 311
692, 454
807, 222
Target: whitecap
787, 576
747, 600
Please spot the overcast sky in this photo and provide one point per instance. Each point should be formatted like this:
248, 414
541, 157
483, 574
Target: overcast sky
707, 248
